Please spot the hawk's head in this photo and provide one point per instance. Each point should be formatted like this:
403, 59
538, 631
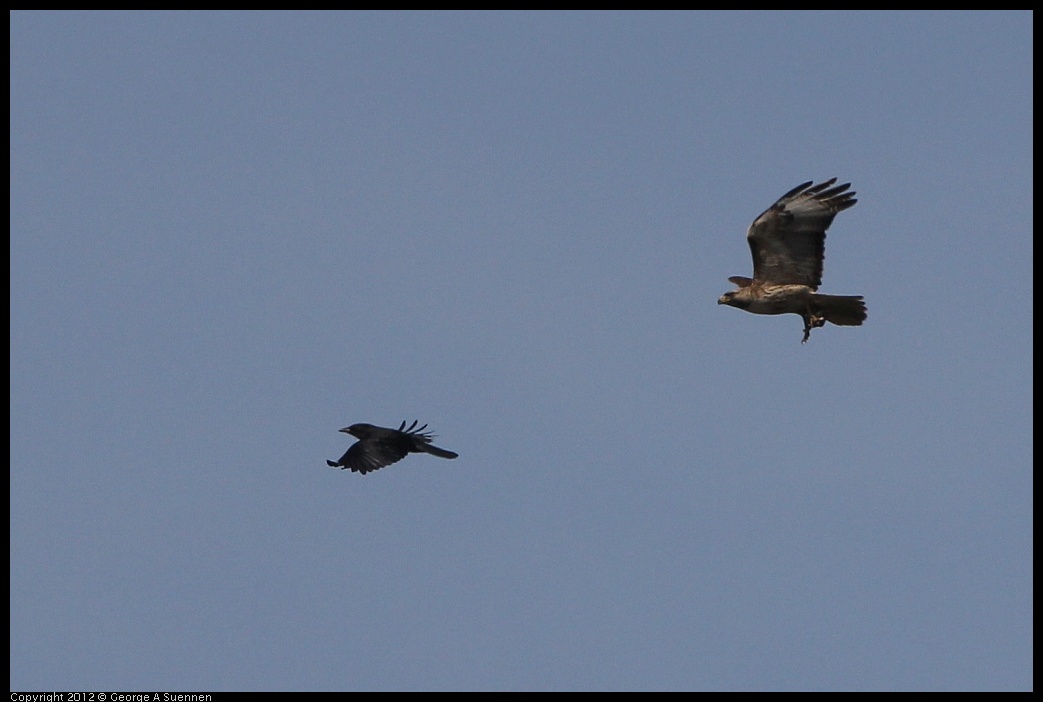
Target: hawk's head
735, 298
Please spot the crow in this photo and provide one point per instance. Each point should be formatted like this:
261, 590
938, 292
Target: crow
379, 446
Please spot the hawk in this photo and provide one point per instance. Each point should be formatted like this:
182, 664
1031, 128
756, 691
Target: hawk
788, 246
378, 446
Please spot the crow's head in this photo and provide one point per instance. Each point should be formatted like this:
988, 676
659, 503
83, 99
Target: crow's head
360, 431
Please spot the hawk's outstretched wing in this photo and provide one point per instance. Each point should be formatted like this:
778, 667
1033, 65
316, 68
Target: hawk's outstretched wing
788, 239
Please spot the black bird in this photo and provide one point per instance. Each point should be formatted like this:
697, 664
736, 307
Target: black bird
379, 446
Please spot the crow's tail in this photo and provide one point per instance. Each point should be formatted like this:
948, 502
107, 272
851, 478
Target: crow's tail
440, 452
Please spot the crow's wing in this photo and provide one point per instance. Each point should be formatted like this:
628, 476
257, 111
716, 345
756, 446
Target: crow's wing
374, 453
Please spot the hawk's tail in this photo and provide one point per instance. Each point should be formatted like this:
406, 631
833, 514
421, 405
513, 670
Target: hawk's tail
435, 451
845, 310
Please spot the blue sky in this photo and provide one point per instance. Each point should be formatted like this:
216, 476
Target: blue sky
233, 234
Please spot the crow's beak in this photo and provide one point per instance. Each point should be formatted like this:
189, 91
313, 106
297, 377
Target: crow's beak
346, 430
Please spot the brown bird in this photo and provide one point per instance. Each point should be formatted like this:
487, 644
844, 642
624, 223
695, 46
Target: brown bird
788, 242
379, 446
